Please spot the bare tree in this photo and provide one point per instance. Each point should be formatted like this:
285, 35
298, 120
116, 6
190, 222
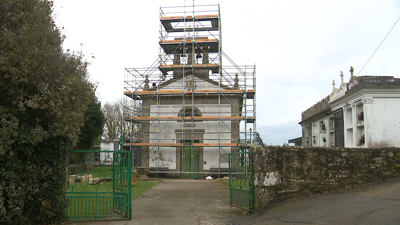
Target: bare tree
116, 124
112, 113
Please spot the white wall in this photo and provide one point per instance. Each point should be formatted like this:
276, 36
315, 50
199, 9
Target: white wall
106, 157
383, 124
318, 134
167, 157
199, 83
164, 132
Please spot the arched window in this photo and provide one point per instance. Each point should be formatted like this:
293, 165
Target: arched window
188, 111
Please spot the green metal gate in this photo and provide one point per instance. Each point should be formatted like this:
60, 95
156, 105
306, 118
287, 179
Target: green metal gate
241, 182
99, 185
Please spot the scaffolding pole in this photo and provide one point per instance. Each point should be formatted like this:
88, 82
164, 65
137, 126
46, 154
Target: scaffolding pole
216, 99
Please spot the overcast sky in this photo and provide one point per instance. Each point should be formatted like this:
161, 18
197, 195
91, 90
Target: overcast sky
298, 47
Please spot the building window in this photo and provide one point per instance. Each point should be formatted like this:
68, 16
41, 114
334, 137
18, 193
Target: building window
189, 112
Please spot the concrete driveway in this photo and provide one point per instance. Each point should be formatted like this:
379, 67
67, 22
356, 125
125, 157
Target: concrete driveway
176, 201
207, 202
184, 202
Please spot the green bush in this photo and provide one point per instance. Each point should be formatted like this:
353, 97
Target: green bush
45, 94
33, 184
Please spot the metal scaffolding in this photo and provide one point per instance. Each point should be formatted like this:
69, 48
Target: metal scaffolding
187, 102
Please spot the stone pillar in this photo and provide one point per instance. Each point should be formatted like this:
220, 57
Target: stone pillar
354, 118
177, 57
190, 54
367, 107
146, 83
205, 55
236, 85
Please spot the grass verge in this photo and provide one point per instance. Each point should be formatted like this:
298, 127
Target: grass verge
90, 201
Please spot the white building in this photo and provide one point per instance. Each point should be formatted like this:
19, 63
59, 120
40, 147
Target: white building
365, 112
106, 158
189, 110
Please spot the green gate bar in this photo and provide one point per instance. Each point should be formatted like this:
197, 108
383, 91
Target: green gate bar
99, 185
241, 182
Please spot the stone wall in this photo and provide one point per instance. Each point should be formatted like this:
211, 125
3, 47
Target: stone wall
287, 172
320, 107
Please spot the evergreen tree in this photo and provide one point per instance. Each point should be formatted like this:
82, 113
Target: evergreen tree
44, 95
93, 126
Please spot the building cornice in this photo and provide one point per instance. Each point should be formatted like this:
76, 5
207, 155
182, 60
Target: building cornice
316, 110
359, 88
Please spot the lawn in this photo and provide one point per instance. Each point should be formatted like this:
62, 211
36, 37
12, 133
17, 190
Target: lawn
141, 187
100, 171
101, 200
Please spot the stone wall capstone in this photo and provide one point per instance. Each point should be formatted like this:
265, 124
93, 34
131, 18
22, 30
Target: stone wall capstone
319, 107
287, 172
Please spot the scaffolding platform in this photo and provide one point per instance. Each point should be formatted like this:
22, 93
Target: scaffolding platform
194, 105
250, 93
166, 68
168, 21
249, 119
169, 46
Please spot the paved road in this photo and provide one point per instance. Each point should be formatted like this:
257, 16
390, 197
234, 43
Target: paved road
372, 204
207, 202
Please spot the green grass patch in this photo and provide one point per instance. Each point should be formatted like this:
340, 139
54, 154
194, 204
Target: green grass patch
239, 182
88, 201
141, 187
86, 187
102, 171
